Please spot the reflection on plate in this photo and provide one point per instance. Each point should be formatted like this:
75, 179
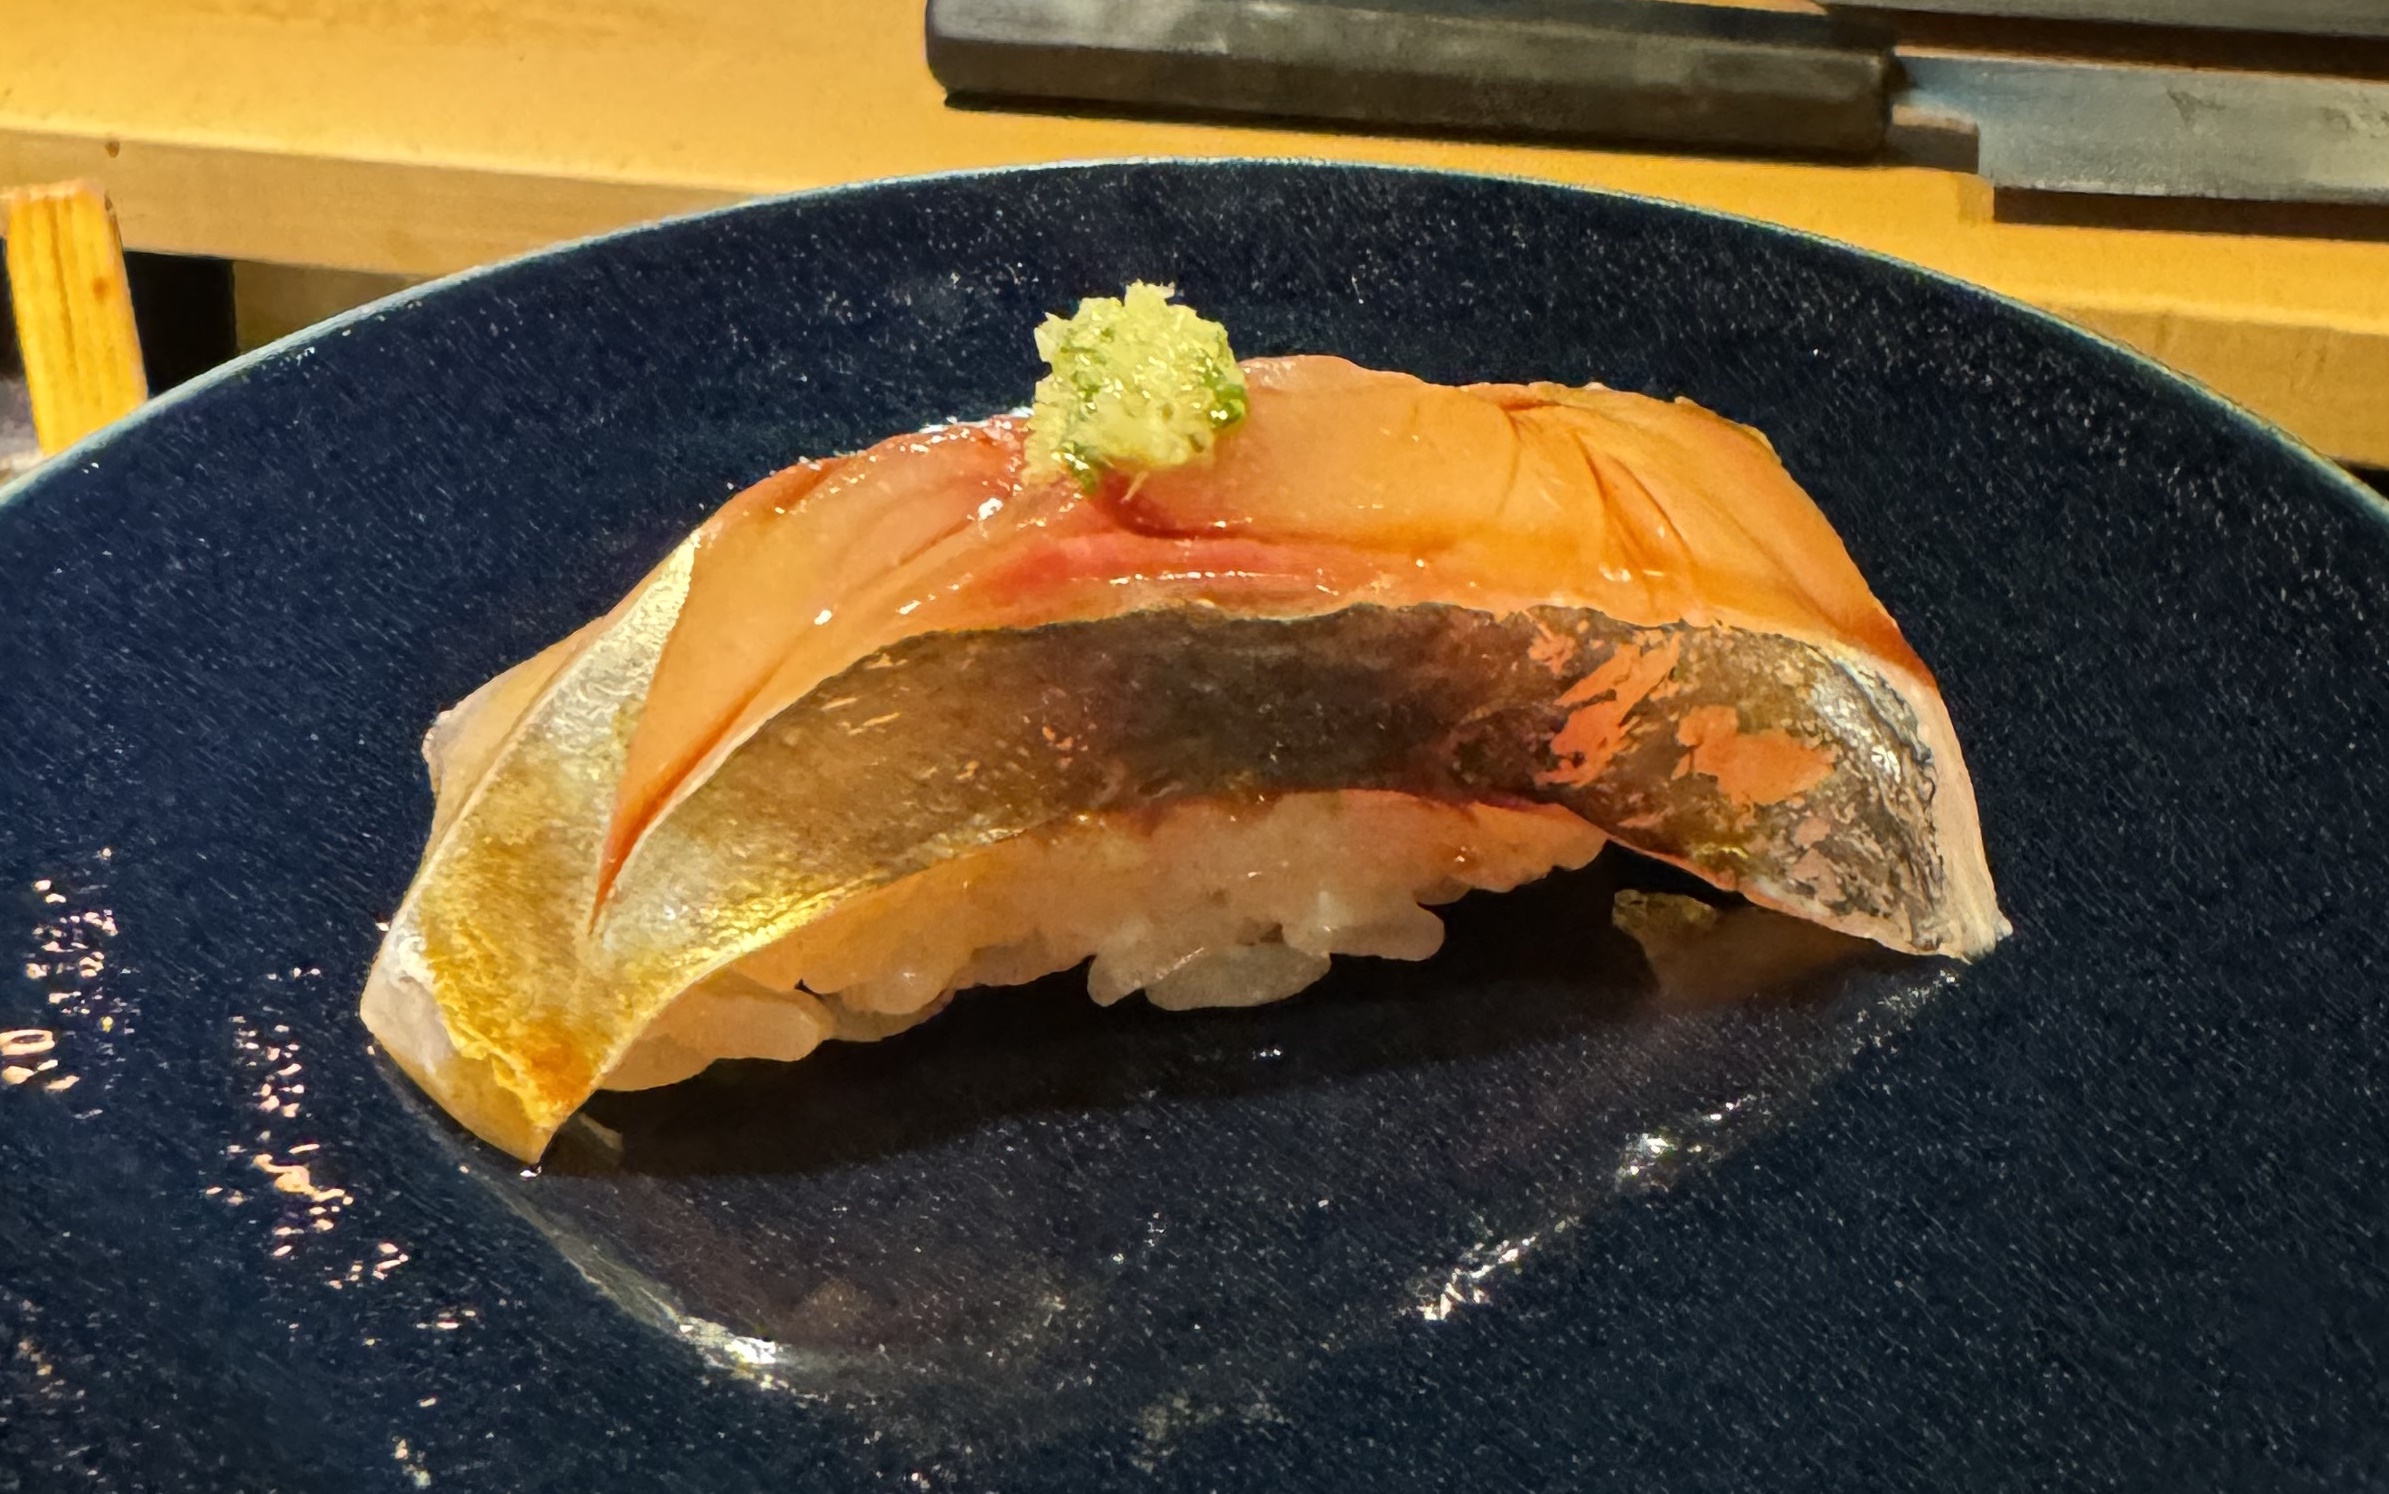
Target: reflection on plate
1033, 1214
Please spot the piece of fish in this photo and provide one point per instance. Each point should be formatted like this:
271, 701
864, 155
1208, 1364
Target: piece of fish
865, 667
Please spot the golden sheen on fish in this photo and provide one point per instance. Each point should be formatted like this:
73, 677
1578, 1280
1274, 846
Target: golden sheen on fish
1202, 673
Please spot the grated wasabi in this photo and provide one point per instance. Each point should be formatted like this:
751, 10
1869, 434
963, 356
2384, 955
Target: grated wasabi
1138, 385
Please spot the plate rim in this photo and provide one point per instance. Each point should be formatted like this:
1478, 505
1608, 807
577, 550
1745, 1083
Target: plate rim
2372, 504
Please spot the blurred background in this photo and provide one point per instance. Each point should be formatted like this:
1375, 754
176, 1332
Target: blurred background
2205, 180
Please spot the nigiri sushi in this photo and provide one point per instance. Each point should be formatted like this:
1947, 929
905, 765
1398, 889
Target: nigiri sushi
1200, 673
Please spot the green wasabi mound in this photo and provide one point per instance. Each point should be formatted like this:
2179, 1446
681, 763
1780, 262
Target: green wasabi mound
1138, 385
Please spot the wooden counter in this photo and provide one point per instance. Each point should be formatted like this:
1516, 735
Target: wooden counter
421, 136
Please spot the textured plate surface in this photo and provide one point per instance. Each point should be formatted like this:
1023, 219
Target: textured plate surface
2106, 1211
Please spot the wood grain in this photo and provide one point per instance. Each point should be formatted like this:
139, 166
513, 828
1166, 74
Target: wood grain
74, 310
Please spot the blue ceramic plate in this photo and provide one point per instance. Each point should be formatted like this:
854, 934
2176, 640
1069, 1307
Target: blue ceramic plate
2107, 1209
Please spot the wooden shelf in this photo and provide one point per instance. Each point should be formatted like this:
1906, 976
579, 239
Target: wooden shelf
421, 138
